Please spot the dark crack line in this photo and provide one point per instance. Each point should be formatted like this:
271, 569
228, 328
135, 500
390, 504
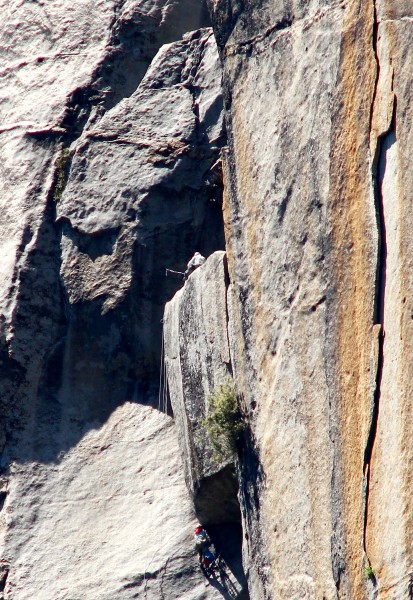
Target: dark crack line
282, 25
381, 252
378, 173
377, 60
379, 298
380, 281
227, 285
163, 572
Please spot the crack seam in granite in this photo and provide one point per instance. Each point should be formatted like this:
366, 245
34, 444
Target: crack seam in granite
378, 296
188, 84
227, 286
380, 273
290, 24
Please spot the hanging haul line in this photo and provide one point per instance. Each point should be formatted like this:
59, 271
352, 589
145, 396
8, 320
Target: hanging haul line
167, 271
162, 407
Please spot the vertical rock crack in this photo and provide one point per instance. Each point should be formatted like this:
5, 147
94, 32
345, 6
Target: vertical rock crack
380, 281
384, 141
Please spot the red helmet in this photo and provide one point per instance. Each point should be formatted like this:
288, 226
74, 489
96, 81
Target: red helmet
198, 529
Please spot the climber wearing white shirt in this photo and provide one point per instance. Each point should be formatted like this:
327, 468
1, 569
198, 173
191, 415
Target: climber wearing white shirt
196, 261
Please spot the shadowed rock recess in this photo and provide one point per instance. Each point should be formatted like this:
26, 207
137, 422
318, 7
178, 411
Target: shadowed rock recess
278, 144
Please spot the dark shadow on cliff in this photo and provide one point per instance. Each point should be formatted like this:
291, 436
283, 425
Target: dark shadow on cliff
217, 508
216, 497
107, 358
229, 579
74, 360
252, 476
38, 327
251, 482
88, 360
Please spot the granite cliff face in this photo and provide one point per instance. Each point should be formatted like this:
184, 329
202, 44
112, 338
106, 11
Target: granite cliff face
115, 117
109, 141
197, 360
317, 209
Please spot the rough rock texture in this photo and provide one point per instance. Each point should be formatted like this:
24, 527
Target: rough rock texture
389, 527
99, 195
317, 212
111, 519
197, 361
110, 173
151, 155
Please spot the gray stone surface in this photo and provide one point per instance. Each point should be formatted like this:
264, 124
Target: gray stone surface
88, 501
310, 93
110, 173
197, 361
63, 61
276, 217
110, 519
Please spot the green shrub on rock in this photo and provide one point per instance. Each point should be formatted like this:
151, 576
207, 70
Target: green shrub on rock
223, 423
368, 572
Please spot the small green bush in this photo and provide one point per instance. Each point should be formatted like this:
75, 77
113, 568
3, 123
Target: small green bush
368, 572
223, 423
61, 164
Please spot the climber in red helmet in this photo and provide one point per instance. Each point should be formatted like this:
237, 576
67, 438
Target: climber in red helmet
206, 551
201, 539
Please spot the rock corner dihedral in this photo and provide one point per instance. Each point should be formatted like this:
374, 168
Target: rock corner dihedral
277, 144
